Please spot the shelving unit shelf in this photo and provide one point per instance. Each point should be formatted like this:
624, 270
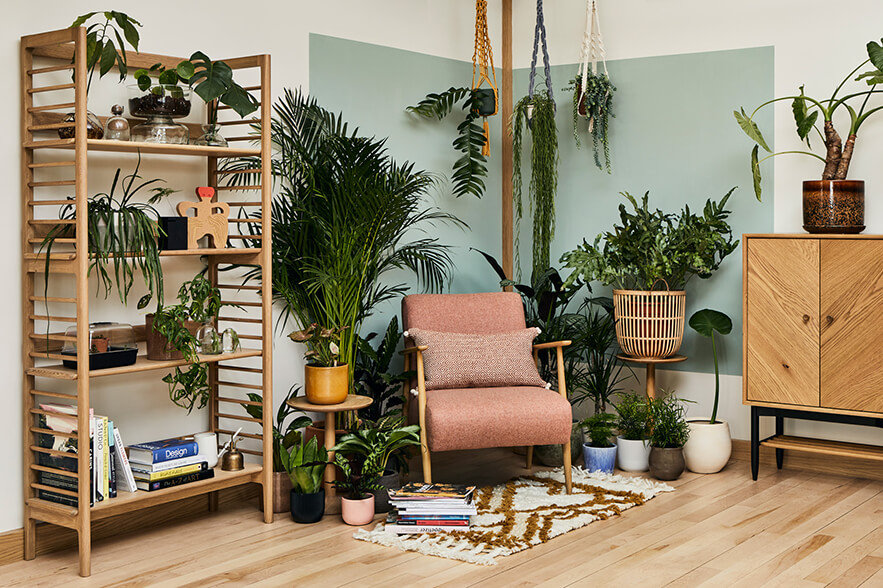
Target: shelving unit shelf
44, 153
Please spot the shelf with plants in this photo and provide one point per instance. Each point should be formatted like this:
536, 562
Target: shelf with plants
75, 225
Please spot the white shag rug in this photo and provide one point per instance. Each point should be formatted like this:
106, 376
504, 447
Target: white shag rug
527, 511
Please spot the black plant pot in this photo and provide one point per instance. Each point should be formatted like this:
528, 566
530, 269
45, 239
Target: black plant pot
174, 235
307, 508
487, 101
391, 480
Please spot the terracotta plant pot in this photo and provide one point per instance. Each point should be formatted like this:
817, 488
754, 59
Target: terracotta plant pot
599, 459
709, 447
307, 508
281, 492
317, 430
553, 455
632, 455
667, 463
391, 480
834, 206
158, 346
357, 512
326, 385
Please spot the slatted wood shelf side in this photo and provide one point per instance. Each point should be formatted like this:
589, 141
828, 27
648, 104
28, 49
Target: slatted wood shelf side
136, 147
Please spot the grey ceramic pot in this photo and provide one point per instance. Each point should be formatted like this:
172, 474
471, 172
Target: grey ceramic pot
667, 463
553, 455
391, 480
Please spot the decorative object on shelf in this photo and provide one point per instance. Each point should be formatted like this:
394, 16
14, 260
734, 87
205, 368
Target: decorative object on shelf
117, 128
158, 346
647, 248
668, 435
230, 341
173, 233
593, 91
208, 341
122, 236
104, 49
211, 219
208, 447
325, 380
160, 106
305, 463
536, 112
110, 345
832, 204
709, 447
231, 458
599, 453
633, 443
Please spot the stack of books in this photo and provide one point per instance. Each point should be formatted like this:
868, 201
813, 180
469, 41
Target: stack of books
167, 463
430, 508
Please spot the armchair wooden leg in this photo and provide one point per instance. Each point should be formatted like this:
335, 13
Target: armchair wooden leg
427, 466
529, 457
568, 466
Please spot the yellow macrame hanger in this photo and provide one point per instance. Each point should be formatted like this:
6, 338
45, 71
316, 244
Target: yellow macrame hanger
483, 66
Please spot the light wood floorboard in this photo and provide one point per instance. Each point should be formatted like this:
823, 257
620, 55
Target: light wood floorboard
790, 528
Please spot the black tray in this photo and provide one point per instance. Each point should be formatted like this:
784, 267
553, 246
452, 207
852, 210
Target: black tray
113, 357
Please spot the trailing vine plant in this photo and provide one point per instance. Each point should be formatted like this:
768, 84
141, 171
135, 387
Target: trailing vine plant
594, 102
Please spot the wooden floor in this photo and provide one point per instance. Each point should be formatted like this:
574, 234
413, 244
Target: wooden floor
790, 528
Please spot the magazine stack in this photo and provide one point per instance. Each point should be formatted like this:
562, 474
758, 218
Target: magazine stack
430, 508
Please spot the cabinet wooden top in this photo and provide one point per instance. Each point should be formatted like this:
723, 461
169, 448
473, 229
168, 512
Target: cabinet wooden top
807, 236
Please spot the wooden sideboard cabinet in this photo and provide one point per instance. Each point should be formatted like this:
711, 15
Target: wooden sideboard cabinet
813, 337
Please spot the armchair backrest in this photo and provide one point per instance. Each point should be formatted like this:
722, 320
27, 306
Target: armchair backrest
486, 312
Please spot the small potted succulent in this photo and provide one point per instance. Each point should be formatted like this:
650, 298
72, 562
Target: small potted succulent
669, 434
305, 463
599, 453
325, 382
710, 446
633, 443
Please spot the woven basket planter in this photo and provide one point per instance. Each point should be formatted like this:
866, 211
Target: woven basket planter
649, 324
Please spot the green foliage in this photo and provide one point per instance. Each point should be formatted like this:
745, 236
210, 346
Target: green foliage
804, 119
706, 322
599, 428
750, 128
634, 416
597, 100
537, 114
305, 464
286, 433
650, 245
323, 347
104, 42
122, 236
373, 377
669, 425
471, 168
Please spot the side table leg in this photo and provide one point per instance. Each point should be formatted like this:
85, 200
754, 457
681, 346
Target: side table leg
755, 442
651, 380
331, 505
780, 430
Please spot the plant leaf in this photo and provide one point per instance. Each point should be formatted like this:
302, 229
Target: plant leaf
129, 30
755, 172
706, 321
750, 128
108, 57
81, 19
239, 100
185, 69
805, 121
875, 54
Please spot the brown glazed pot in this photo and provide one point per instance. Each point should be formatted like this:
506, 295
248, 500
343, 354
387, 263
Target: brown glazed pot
158, 346
667, 463
834, 206
281, 492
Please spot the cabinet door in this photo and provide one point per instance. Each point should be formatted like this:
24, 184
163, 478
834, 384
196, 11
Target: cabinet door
852, 324
782, 322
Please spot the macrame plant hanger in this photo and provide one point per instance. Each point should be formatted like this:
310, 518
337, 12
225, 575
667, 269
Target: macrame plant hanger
592, 50
483, 71
539, 39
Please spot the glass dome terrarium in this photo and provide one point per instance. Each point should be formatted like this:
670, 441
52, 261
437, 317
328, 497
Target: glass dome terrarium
160, 104
110, 345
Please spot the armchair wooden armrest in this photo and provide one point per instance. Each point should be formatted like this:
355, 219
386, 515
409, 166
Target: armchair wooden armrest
551, 344
410, 350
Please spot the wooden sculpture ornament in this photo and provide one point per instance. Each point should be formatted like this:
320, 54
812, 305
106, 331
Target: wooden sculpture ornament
210, 219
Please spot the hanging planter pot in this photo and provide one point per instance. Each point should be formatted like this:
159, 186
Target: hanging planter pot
486, 99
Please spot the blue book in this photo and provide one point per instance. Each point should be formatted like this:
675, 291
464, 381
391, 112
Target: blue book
159, 451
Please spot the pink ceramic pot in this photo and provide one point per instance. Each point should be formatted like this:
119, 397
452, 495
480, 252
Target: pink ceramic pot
357, 512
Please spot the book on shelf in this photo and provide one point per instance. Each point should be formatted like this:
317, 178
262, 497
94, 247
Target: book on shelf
141, 476
421, 491
125, 478
112, 486
166, 465
431, 508
163, 450
409, 529
176, 481
63, 420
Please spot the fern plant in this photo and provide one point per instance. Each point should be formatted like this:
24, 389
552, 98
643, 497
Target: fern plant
470, 169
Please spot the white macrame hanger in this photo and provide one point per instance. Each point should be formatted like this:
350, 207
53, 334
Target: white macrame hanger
592, 48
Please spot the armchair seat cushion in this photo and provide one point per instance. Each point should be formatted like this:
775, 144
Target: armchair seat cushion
476, 418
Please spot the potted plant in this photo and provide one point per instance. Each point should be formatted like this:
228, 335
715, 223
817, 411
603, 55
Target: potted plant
286, 434
360, 479
593, 101
325, 380
373, 377
633, 443
305, 463
380, 443
710, 446
832, 204
650, 248
599, 453
668, 435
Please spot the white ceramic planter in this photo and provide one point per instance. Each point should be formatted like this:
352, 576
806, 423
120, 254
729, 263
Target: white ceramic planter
632, 455
709, 447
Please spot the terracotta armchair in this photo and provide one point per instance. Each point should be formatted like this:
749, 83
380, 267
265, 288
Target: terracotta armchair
478, 418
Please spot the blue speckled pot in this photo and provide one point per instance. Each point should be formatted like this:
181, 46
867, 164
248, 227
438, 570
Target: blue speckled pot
599, 459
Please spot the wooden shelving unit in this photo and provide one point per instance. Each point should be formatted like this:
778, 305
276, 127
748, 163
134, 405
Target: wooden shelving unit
43, 152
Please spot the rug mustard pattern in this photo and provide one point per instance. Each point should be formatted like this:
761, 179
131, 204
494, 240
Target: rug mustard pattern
527, 511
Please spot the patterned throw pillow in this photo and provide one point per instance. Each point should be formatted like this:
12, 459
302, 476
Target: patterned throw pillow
459, 360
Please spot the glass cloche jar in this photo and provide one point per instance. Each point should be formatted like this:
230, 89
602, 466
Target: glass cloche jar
110, 345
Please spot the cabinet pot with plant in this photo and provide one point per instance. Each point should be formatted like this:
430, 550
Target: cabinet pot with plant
668, 435
325, 380
633, 442
710, 445
305, 463
650, 248
599, 454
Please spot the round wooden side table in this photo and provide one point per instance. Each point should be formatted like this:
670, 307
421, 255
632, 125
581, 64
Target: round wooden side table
650, 363
352, 402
